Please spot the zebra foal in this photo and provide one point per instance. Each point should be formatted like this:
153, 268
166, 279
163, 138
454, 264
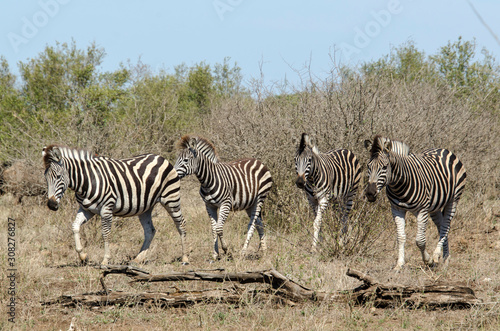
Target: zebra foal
108, 187
323, 176
428, 184
225, 186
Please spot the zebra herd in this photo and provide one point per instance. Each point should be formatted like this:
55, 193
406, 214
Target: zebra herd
428, 184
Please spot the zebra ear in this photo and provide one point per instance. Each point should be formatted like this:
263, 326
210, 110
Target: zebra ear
312, 145
304, 141
56, 154
387, 145
368, 144
307, 140
192, 143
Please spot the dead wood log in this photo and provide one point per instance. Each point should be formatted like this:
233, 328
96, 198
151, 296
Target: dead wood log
284, 286
162, 299
390, 295
283, 290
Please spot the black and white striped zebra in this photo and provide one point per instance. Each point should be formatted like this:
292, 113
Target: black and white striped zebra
225, 186
323, 176
108, 187
428, 184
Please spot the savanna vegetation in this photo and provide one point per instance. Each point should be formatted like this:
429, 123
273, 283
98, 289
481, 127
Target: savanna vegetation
449, 99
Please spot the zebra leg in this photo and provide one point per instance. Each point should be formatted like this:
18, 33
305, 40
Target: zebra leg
399, 219
346, 209
255, 222
444, 229
422, 219
348, 206
212, 213
174, 210
223, 213
149, 233
322, 204
81, 218
262, 235
437, 218
106, 223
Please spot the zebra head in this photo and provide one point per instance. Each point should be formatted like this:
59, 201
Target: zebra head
194, 152
303, 160
379, 166
56, 176
187, 160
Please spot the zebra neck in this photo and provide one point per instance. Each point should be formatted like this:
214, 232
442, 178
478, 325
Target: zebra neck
80, 175
205, 171
315, 173
399, 170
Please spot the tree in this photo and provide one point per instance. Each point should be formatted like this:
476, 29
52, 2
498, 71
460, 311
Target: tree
227, 79
405, 62
475, 80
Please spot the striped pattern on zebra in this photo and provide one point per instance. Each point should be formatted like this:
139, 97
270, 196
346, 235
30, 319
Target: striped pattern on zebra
225, 186
323, 176
428, 184
105, 186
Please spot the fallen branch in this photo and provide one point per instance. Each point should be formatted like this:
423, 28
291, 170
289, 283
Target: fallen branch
387, 295
162, 299
281, 289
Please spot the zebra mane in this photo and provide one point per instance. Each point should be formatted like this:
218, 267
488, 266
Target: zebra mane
380, 144
54, 153
201, 144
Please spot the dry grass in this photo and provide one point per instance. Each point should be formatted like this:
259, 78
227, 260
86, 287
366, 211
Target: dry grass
46, 268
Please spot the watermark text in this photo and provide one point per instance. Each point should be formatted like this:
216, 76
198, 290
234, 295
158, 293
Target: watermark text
11, 270
364, 35
31, 25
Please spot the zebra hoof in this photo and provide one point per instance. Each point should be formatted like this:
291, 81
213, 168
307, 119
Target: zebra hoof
84, 259
435, 260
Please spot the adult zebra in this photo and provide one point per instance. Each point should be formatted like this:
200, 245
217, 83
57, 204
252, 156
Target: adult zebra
108, 187
225, 186
429, 184
323, 176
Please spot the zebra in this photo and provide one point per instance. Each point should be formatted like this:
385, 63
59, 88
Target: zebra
428, 184
323, 176
225, 186
109, 187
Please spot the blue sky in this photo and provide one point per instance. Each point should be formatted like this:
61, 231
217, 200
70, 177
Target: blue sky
281, 37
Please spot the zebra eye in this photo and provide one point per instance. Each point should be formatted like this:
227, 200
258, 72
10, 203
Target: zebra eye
185, 160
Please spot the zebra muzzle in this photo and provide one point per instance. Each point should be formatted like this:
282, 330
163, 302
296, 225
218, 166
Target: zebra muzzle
371, 192
300, 182
53, 204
